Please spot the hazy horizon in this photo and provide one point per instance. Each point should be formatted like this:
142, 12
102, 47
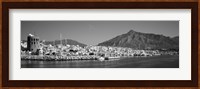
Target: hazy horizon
94, 32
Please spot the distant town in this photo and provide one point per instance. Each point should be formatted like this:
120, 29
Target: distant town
35, 49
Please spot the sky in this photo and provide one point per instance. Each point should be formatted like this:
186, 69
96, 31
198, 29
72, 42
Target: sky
94, 32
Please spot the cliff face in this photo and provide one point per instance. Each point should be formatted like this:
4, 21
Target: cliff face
138, 40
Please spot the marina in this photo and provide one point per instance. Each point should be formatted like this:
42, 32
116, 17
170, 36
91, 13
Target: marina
126, 49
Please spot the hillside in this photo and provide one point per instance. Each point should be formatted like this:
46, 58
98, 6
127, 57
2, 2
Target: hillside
138, 40
64, 42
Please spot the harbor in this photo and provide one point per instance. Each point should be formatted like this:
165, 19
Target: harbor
71, 44
36, 50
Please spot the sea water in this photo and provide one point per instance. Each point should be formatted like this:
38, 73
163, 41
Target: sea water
163, 61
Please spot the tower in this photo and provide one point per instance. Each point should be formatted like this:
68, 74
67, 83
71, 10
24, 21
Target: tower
33, 43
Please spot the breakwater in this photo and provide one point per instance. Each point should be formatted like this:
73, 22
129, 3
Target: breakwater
58, 58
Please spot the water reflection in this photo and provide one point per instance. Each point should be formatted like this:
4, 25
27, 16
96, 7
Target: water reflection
133, 62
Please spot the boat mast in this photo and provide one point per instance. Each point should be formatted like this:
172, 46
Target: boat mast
60, 39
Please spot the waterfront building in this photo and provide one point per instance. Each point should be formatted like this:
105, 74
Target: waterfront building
33, 43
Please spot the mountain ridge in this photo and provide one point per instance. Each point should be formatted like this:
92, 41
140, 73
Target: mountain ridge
139, 40
65, 42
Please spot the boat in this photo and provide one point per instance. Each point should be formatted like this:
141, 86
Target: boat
107, 57
101, 58
113, 57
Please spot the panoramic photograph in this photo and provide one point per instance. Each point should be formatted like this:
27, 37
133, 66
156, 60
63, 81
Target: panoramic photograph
99, 44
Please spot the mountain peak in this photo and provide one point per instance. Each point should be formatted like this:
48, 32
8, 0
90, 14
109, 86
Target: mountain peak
131, 31
138, 40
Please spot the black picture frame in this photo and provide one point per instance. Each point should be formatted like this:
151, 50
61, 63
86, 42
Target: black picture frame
99, 83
